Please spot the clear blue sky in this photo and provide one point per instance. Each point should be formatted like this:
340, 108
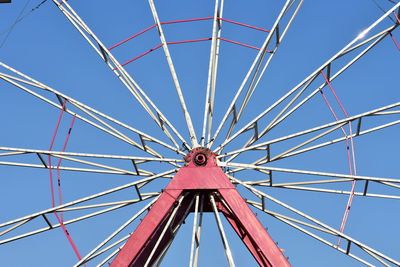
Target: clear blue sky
45, 46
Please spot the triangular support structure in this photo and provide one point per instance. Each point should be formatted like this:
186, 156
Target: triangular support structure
200, 175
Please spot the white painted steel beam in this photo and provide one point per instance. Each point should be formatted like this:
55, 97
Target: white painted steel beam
189, 123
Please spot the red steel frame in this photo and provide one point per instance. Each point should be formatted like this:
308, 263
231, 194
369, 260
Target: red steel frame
192, 179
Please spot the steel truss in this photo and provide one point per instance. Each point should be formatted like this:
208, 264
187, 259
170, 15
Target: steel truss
203, 181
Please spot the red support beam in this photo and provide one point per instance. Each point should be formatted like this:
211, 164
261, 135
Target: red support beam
200, 175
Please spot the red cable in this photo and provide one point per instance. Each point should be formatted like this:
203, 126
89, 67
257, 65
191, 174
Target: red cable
245, 25
158, 46
133, 36
394, 40
190, 41
59, 162
398, 20
234, 42
69, 238
185, 20
139, 56
51, 181
51, 145
350, 200
151, 27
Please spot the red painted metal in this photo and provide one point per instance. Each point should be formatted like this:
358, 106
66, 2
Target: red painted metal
353, 183
199, 175
61, 221
189, 41
394, 40
245, 25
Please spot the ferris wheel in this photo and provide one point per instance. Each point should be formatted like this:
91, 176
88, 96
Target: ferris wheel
133, 134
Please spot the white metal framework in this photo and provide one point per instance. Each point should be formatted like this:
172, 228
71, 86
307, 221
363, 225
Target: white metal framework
254, 149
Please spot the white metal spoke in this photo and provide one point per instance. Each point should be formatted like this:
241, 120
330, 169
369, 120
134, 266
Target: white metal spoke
173, 232
365, 115
307, 81
304, 186
319, 223
295, 224
314, 173
63, 168
341, 192
259, 206
189, 123
255, 67
302, 182
95, 255
280, 117
84, 259
341, 139
18, 151
120, 72
248, 146
51, 226
110, 256
256, 82
101, 168
113, 190
276, 121
88, 110
137, 160
194, 232
166, 227
222, 232
59, 106
212, 72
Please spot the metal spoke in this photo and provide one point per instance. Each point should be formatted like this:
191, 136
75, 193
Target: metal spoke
84, 259
120, 172
139, 160
120, 72
278, 120
304, 186
197, 223
189, 123
109, 247
255, 67
341, 139
166, 227
341, 192
101, 168
212, 72
174, 206
174, 232
115, 252
112, 131
86, 109
113, 190
222, 232
285, 170
194, 232
359, 117
295, 225
335, 232
50, 226
307, 81
136, 161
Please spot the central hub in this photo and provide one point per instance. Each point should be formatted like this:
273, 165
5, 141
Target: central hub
200, 157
